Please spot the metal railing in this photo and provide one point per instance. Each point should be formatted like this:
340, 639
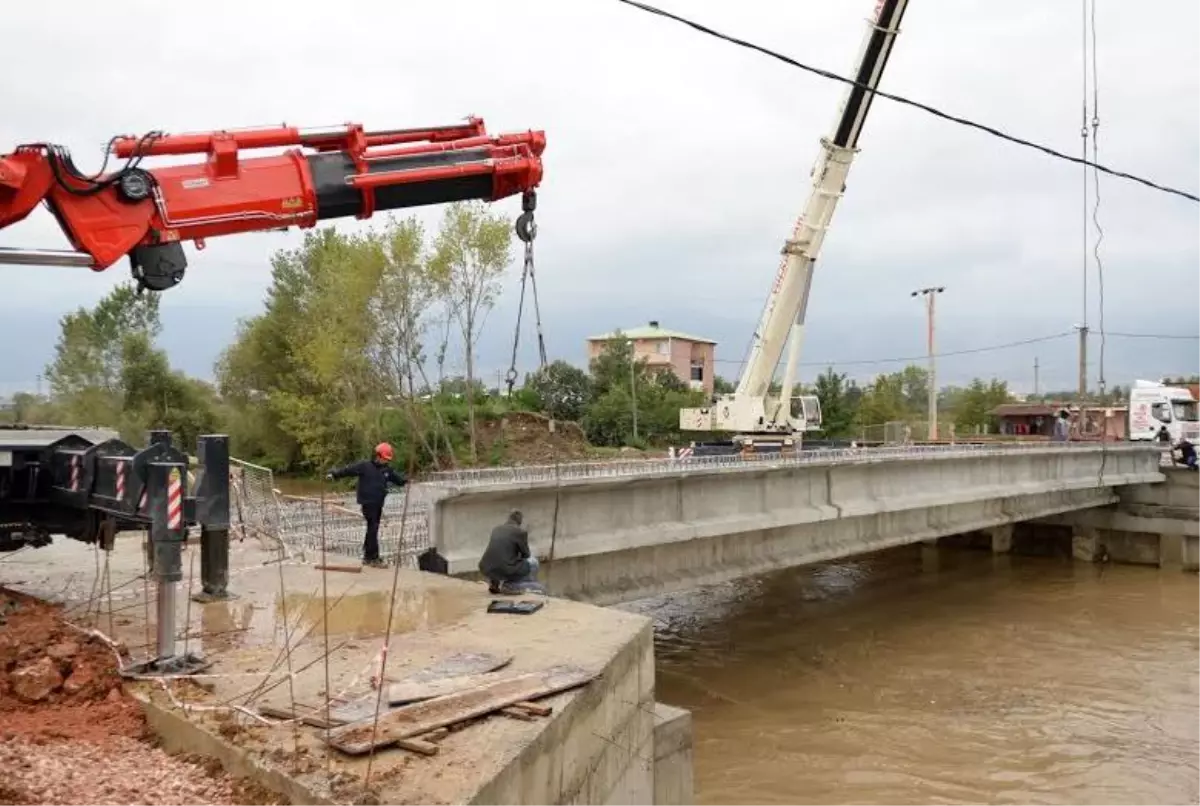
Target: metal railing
295, 523
573, 471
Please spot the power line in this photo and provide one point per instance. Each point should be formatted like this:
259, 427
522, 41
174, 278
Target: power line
1179, 336
909, 359
909, 102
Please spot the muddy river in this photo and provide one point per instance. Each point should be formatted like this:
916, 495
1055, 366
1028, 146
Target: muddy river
918, 676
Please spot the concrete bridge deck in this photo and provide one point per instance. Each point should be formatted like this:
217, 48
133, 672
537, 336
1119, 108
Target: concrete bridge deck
618, 531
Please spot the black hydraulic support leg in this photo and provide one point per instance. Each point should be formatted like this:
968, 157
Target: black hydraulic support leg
167, 483
212, 513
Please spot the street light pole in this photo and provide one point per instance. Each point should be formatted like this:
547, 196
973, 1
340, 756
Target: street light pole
930, 295
633, 387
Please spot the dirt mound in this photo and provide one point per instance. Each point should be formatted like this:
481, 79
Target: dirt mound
524, 438
56, 682
69, 733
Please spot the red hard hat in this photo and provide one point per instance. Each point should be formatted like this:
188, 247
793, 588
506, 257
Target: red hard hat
384, 451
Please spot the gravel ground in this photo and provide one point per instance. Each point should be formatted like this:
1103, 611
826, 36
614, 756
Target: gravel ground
121, 770
69, 734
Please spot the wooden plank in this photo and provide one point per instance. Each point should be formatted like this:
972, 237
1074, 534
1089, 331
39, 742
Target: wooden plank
348, 569
422, 717
534, 708
516, 713
458, 665
313, 715
418, 746
404, 692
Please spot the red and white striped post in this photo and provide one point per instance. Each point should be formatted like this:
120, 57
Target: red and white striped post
175, 501
120, 469
75, 474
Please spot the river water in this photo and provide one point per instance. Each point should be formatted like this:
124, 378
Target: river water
927, 676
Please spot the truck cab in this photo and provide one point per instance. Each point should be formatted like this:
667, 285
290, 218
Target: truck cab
1154, 406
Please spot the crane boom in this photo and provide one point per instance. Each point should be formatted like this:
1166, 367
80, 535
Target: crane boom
750, 410
334, 172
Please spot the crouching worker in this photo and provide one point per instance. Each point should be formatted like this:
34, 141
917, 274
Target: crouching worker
372, 489
507, 563
1187, 454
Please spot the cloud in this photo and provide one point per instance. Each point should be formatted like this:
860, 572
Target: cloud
676, 163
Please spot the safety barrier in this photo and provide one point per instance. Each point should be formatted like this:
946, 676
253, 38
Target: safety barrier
572, 471
295, 524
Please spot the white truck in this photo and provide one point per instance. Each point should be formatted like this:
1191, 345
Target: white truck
1153, 406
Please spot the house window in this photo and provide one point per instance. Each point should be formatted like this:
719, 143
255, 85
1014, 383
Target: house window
697, 371
662, 347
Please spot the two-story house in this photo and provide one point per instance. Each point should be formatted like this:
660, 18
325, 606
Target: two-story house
689, 357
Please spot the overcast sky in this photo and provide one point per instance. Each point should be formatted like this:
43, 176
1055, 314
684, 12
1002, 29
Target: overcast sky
677, 163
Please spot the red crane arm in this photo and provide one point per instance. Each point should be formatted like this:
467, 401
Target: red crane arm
327, 173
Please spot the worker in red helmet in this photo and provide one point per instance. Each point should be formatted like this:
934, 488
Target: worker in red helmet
373, 476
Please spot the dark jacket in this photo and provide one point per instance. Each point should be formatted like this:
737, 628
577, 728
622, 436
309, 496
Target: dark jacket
507, 554
372, 480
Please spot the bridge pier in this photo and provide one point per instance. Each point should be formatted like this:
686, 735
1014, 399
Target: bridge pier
1085, 544
1149, 524
1002, 538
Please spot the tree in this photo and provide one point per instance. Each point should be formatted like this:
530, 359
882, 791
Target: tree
407, 302
837, 413
304, 375
471, 251
155, 396
667, 380
611, 367
914, 381
618, 383
86, 371
722, 386
560, 390
973, 410
85, 375
883, 401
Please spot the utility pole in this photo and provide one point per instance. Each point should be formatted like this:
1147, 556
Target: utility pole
930, 295
633, 387
1083, 337
1035, 377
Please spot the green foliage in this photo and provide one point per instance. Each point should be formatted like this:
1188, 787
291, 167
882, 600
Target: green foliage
970, 406
559, 390
85, 375
309, 361
884, 401
107, 372
621, 385
722, 386
471, 252
837, 409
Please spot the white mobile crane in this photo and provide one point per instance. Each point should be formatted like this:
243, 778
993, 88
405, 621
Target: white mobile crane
751, 413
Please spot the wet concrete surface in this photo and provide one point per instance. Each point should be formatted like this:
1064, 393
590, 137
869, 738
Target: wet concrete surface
939, 676
280, 604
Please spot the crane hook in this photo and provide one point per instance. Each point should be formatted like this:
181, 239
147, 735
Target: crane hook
526, 227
